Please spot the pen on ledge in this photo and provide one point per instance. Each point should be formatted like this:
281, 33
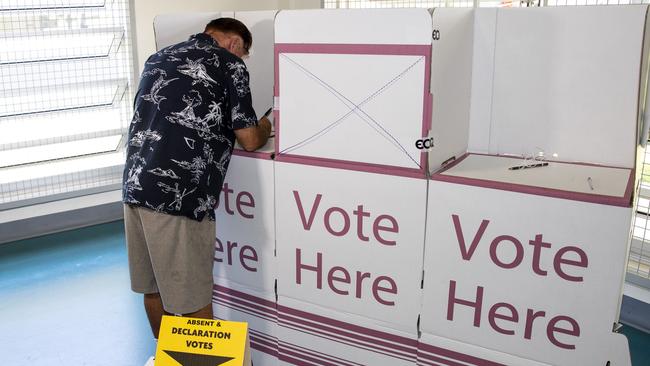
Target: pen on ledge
527, 166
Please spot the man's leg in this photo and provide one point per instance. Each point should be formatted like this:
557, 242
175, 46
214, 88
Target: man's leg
154, 308
205, 313
182, 258
140, 267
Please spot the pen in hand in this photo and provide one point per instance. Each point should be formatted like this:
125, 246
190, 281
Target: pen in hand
267, 114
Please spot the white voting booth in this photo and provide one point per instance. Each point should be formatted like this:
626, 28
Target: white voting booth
342, 243
526, 266
245, 265
350, 184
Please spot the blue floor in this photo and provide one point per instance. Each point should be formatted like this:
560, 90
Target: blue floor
65, 300
639, 346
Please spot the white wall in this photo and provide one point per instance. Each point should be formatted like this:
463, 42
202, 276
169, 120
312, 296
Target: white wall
145, 10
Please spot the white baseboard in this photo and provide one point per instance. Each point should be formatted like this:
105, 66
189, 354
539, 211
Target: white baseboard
51, 217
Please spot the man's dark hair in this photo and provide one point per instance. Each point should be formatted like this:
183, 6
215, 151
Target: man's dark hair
230, 25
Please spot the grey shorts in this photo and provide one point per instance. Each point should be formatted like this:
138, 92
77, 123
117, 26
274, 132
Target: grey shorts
170, 255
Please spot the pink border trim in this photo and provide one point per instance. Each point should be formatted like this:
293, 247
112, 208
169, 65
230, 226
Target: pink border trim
358, 346
245, 307
360, 339
317, 358
361, 49
350, 165
242, 295
267, 350
402, 348
403, 343
625, 201
261, 341
252, 154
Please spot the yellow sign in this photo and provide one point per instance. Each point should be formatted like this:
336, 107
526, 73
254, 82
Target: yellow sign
202, 342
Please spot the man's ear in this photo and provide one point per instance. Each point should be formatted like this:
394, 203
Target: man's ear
231, 44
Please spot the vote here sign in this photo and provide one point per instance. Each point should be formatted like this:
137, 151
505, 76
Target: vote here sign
533, 276
351, 241
245, 221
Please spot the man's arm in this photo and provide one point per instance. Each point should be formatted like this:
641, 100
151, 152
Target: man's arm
252, 138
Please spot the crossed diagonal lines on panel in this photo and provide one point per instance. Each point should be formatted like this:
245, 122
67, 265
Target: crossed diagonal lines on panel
354, 108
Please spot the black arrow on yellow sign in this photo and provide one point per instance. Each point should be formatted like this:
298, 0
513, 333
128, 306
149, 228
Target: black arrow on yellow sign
192, 359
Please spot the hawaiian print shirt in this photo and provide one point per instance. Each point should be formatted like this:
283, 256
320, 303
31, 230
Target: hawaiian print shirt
191, 98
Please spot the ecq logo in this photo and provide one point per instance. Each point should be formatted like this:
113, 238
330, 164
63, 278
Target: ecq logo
424, 144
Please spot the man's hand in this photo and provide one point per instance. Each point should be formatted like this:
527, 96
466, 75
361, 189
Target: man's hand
252, 138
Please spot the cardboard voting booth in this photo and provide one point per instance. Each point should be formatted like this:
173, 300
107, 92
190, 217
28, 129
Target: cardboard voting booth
247, 293
525, 258
524, 272
350, 184
345, 242
245, 265
517, 81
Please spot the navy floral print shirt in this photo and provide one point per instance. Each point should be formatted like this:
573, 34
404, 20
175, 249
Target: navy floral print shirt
191, 98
